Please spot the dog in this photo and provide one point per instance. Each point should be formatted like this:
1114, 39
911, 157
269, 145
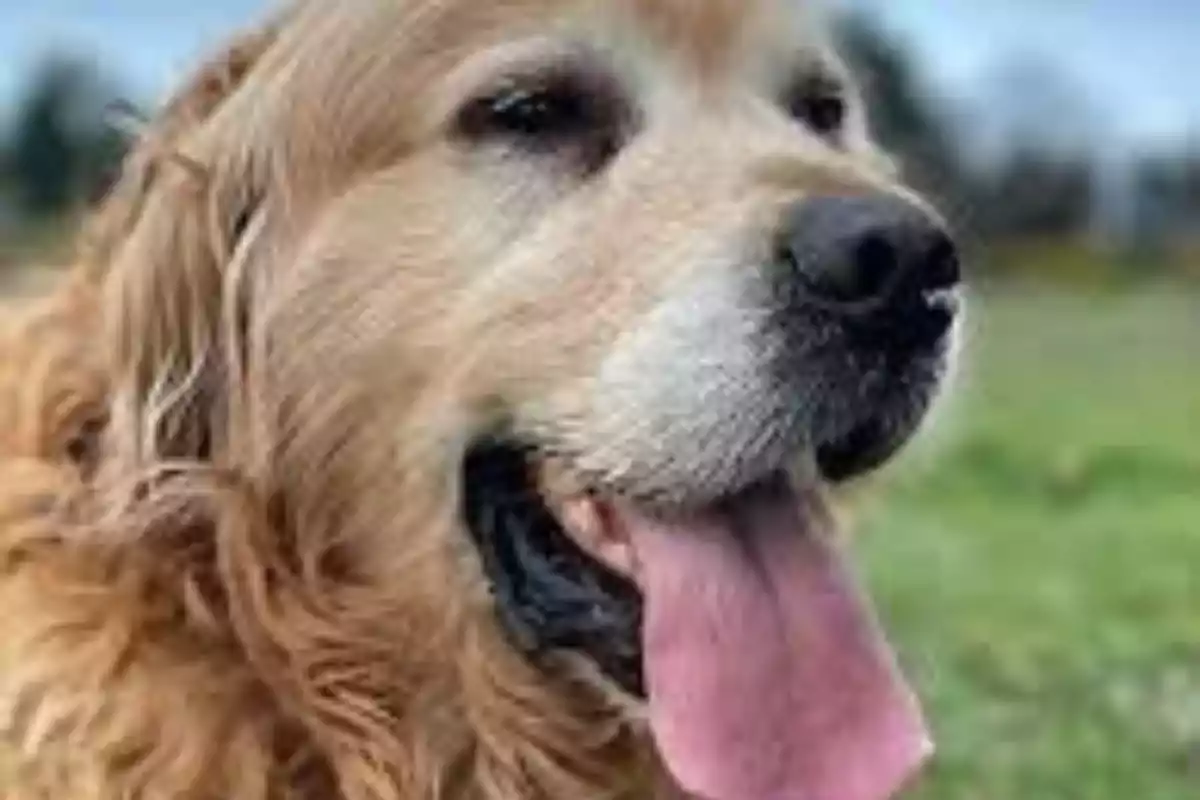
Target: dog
445, 403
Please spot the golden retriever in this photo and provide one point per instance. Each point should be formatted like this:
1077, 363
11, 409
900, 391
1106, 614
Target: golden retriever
441, 408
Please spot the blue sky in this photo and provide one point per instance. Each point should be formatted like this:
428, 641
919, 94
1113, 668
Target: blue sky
1135, 62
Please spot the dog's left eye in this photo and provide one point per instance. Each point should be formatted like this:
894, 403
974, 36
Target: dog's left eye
579, 116
542, 113
545, 112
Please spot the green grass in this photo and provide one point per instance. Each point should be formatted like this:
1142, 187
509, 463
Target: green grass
1038, 558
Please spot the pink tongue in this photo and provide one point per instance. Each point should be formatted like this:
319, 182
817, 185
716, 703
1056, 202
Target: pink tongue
768, 676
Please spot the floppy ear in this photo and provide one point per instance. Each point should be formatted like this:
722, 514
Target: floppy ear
165, 247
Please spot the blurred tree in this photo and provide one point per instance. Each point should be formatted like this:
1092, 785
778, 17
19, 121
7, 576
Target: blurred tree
1166, 199
905, 116
1045, 139
61, 149
1034, 102
1038, 192
1024, 169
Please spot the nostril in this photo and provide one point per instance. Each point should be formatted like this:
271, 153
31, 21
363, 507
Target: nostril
943, 270
874, 265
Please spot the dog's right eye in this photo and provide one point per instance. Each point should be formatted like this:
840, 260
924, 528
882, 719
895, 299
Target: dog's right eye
562, 113
821, 105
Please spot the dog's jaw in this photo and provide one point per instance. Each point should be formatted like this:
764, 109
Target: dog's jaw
716, 395
604, 579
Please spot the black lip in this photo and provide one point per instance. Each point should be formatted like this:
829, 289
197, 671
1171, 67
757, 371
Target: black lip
551, 597
866, 448
912, 365
913, 330
912, 326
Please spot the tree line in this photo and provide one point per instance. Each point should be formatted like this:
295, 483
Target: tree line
1043, 171
59, 150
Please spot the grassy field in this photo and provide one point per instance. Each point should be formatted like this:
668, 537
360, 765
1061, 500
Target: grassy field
1038, 559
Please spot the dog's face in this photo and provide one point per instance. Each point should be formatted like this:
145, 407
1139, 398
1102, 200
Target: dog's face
633, 276
652, 236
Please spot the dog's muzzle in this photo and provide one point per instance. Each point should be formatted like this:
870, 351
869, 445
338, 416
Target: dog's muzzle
690, 556
878, 278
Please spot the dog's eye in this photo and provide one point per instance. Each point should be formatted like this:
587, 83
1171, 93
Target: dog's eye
547, 113
579, 115
823, 110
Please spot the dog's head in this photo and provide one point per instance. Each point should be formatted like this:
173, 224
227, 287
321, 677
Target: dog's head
617, 285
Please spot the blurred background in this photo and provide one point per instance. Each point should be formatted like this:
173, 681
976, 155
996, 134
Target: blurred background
1038, 556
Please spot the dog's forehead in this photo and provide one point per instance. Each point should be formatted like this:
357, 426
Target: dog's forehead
715, 40
727, 38
709, 36
711, 33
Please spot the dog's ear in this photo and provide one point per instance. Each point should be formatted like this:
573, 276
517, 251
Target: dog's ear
165, 247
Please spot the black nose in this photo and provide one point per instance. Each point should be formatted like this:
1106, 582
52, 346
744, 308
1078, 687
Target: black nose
847, 251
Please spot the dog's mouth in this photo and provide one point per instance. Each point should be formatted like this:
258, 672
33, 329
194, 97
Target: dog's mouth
765, 674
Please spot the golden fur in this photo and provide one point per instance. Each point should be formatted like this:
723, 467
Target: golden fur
230, 563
